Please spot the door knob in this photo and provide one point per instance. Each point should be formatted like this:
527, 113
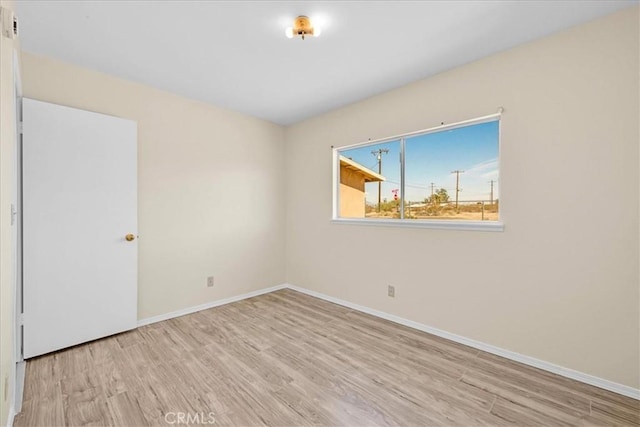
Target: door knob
129, 237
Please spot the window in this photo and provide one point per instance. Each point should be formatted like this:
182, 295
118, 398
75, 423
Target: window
446, 177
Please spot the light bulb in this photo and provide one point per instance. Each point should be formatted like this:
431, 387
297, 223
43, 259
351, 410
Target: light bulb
289, 32
316, 31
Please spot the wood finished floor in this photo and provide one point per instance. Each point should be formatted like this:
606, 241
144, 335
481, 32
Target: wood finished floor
288, 359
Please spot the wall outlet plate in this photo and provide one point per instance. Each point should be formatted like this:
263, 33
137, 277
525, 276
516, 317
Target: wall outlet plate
210, 282
391, 291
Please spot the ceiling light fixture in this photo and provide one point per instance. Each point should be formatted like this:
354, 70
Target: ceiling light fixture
302, 27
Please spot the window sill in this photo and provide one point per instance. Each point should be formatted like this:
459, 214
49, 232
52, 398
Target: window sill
425, 223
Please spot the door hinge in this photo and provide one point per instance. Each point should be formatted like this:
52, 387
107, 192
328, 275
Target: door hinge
14, 213
21, 319
20, 128
9, 23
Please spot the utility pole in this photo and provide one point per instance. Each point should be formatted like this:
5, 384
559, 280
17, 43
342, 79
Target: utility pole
491, 182
378, 154
432, 184
457, 172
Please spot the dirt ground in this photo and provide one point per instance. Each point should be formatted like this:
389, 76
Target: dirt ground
489, 215
466, 216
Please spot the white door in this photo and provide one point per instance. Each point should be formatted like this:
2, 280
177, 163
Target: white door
79, 202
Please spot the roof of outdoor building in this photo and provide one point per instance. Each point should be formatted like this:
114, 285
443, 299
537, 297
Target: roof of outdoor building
369, 175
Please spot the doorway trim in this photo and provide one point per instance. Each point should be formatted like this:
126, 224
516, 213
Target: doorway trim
19, 365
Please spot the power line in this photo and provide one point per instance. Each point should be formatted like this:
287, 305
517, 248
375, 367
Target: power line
423, 187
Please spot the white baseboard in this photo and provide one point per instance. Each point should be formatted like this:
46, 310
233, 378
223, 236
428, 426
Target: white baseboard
508, 354
17, 386
19, 390
12, 410
189, 310
11, 416
517, 357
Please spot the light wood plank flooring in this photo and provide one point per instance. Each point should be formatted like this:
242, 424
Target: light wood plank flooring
287, 359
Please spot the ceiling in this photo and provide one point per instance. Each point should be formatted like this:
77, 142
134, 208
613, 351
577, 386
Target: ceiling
234, 54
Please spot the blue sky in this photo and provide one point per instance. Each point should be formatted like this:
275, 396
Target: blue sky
431, 158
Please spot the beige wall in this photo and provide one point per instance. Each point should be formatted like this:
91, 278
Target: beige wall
210, 186
7, 190
561, 283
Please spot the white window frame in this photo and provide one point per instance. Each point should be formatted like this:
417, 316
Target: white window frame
447, 224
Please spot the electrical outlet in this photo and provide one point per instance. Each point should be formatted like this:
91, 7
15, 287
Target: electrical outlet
391, 291
210, 282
